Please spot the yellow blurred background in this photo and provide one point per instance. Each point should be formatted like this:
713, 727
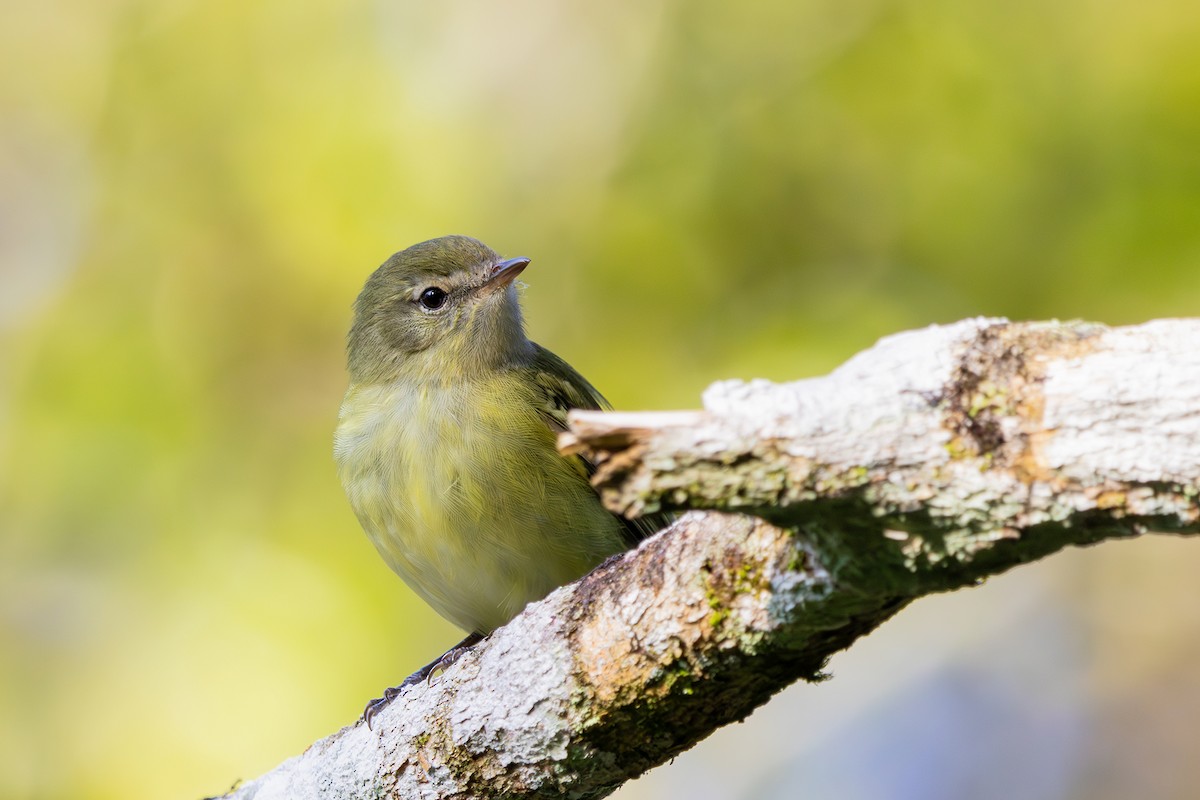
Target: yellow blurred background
191, 195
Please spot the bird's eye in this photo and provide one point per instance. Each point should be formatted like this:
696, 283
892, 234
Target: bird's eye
432, 298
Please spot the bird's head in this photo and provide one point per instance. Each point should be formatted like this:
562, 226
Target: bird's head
439, 310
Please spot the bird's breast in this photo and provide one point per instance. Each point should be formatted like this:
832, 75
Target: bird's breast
462, 492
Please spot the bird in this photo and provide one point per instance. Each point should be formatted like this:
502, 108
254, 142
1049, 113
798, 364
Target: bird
446, 443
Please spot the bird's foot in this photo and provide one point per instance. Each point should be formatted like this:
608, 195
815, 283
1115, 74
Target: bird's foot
391, 693
432, 671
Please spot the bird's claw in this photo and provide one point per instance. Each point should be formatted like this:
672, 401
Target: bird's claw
391, 693
431, 671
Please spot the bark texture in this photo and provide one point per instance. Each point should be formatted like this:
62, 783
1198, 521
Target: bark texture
924, 464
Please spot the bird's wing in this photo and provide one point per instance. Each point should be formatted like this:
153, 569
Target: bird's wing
561, 389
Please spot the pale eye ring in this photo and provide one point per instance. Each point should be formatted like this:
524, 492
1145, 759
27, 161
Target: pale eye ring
432, 298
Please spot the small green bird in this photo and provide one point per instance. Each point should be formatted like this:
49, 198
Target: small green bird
446, 442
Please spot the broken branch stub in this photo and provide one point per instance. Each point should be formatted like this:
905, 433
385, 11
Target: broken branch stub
940, 452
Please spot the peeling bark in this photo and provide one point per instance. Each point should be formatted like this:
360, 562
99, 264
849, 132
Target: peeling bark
927, 463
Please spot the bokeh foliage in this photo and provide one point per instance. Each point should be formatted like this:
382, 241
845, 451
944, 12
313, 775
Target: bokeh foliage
192, 193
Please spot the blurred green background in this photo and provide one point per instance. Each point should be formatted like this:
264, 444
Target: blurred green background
191, 195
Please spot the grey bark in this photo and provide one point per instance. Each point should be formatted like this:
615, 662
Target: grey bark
820, 508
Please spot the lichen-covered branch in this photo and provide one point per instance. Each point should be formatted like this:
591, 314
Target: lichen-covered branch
932, 460
938, 455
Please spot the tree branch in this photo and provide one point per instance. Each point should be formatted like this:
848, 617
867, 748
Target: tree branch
927, 463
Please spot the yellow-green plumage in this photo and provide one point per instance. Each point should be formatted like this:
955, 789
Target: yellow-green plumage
446, 440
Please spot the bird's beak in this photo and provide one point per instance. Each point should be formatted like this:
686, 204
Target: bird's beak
503, 273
